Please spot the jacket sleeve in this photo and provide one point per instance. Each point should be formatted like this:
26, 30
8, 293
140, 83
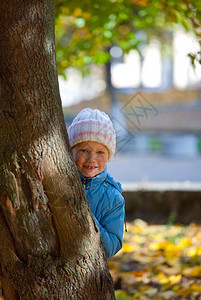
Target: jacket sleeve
111, 227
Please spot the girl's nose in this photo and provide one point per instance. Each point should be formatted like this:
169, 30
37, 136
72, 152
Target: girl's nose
91, 157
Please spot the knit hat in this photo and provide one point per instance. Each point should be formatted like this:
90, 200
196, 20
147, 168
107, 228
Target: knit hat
93, 125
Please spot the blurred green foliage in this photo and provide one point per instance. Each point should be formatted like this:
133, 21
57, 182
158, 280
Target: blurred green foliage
85, 30
199, 145
155, 145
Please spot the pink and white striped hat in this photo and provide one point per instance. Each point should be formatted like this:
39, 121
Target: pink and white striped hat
93, 125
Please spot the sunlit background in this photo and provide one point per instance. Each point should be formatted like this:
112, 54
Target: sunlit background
132, 71
165, 146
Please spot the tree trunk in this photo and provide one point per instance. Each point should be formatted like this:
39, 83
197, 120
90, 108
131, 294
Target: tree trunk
50, 247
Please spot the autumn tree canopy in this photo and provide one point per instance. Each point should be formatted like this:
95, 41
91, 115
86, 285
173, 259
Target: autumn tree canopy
85, 30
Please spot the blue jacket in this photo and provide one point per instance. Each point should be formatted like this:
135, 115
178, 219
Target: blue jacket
103, 193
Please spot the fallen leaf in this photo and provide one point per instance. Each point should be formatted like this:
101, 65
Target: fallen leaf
193, 272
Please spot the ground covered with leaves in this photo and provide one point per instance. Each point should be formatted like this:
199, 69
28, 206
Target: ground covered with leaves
158, 262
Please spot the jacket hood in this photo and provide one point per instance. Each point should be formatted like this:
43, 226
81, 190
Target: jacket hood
114, 182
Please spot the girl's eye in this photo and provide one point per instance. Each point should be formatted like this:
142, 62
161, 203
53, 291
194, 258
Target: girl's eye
83, 150
100, 152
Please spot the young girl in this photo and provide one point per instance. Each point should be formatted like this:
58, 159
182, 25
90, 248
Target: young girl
93, 141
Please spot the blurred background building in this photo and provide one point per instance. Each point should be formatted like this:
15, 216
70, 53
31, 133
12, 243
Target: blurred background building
154, 101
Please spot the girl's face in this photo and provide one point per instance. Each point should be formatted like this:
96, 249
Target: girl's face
90, 157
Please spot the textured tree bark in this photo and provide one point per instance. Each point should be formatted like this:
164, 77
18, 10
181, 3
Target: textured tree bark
50, 247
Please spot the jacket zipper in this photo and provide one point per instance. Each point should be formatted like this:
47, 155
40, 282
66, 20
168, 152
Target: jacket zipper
84, 183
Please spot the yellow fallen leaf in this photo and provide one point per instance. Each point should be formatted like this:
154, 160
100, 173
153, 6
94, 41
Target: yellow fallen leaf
172, 252
185, 292
198, 235
154, 246
174, 279
193, 272
127, 248
137, 229
192, 251
120, 293
196, 288
136, 295
165, 245
184, 242
199, 251
143, 288
158, 237
176, 288
162, 278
